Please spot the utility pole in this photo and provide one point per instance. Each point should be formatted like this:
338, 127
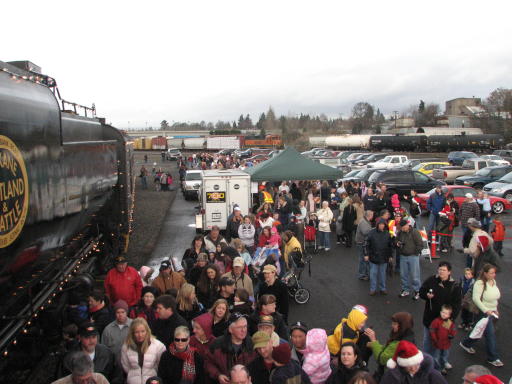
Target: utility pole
396, 114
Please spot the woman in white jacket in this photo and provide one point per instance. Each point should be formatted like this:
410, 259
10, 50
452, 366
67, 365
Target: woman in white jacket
325, 216
246, 232
141, 352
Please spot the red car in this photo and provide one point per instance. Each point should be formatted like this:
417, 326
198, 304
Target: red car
498, 204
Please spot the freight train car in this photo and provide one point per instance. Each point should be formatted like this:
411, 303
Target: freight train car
269, 141
66, 188
194, 143
158, 143
476, 143
348, 141
398, 142
223, 142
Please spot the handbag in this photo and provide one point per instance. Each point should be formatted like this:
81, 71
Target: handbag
467, 301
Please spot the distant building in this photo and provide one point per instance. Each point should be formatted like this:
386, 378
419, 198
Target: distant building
458, 106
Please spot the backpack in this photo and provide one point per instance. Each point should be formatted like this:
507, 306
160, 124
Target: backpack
297, 257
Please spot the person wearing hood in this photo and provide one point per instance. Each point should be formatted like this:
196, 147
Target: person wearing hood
349, 329
410, 365
438, 290
203, 335
378, 251
291, 244
349, 365
402, 328
317, 359
167, 278
233, 223
145, 273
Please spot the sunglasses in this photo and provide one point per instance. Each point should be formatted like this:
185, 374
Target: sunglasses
178, 340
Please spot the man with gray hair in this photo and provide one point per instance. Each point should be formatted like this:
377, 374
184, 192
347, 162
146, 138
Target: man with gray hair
474, 371
240, 375
82, 371
363, 229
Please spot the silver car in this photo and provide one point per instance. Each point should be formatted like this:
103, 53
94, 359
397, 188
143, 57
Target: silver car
501, 188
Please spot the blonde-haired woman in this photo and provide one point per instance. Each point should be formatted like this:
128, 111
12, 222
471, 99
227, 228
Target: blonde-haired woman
141, 352
186, 303
220, 313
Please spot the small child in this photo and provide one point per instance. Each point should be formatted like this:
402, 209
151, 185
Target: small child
466, 283
498, 235
442, 331
317, 358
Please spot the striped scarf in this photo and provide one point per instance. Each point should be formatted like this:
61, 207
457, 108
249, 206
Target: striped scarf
188, 372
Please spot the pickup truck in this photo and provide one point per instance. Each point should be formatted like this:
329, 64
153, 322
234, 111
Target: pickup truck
392, 161
468, 167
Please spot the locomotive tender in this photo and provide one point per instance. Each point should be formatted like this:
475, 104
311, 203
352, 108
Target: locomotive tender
66, 203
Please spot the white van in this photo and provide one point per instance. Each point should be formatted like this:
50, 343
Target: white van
220, 191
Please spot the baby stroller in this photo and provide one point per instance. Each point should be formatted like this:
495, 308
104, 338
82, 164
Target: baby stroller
291, 278
310, 226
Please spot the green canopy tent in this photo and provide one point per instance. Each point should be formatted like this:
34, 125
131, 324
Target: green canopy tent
291, 165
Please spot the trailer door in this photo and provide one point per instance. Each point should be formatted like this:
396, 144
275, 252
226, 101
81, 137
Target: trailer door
215, 201
238, 194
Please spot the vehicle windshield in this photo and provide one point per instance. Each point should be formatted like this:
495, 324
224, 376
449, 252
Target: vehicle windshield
483, 172
468, 164
468, 155
193, 176
387, 159
506, 179
353, 173
417, 167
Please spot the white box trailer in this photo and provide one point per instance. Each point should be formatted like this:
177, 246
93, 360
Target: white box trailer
222, 142
220, 191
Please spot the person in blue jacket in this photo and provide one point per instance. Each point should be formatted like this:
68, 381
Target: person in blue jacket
435, 204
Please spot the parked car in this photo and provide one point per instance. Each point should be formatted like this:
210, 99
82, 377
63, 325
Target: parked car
484, 176
428, 167
346, 154
402, 181
505, 154
362, 157
498, 204
226, 152
497, 159
192, 184
392, 161
365, 174
312, 152
469, 167
501, 188
374, 157
411, 163
257, 158
173, 154
243, 153
458, 157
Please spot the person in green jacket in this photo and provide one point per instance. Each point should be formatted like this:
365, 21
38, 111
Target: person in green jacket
402, 325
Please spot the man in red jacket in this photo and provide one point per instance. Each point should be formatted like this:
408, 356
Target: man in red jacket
123, 282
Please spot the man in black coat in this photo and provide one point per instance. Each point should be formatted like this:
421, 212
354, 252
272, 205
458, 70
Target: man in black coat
168, 319
377, 250
273, 286
437, 291
261, 367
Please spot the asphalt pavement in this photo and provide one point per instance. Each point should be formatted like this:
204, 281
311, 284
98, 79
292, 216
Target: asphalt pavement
335, 289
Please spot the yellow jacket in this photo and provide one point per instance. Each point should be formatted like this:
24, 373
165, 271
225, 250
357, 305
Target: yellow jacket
346, 331
290, 246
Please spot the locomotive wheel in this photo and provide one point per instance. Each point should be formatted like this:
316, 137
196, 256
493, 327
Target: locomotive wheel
302, 296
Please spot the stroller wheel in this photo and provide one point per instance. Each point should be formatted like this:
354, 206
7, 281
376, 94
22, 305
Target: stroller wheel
301, 296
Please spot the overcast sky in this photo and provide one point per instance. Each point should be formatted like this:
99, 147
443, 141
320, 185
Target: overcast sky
146, 61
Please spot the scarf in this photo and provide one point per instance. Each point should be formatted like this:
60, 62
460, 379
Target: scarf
188, 372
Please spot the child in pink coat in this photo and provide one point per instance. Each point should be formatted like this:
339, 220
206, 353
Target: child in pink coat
316, 356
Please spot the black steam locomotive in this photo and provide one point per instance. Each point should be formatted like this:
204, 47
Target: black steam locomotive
66, 203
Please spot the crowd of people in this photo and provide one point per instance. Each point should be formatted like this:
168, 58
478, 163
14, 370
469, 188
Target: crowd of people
221, 315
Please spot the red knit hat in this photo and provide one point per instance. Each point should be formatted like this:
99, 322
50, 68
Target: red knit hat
488, 379
406, 355
483, 242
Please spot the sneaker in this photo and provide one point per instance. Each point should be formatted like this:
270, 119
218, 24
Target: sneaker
416, 296
373, 293
404, 294
447, 365
467, 349
496, 363
327, 249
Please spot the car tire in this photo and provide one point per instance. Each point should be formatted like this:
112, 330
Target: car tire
498, 207
508, 196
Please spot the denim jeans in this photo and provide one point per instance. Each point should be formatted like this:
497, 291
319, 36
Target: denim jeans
433, 218
378, 276
440, 357
490, 339
364, 266
410, 269
325, 239
427, 343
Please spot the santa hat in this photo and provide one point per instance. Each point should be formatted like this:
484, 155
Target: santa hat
483, 242
406, 355
488, 379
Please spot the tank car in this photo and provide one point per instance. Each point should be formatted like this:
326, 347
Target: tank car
398, 143
348, 141
477, 143
66, 191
